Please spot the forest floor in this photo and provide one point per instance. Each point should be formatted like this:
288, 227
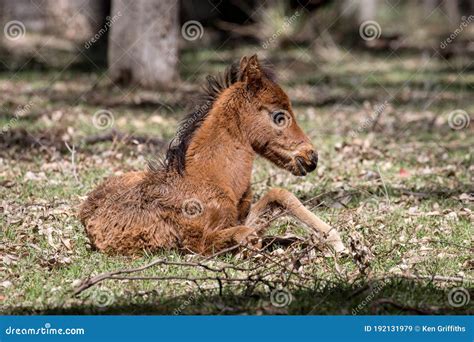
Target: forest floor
395, 177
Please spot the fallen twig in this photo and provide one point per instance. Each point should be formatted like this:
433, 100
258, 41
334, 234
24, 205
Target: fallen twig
72, 150
433, 278
255, 274
116, 274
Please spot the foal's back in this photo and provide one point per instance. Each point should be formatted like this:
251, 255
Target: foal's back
128, 212
154, 210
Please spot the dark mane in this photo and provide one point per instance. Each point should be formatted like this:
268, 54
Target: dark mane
175, 155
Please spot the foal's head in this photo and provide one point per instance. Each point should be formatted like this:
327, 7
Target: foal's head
270, 123
262, 112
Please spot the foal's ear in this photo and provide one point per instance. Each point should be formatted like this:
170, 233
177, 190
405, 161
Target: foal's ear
250, 72
243, 63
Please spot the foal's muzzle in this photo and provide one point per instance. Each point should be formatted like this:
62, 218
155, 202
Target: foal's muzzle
306, 164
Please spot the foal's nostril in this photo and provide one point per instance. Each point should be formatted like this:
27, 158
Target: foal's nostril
306, 163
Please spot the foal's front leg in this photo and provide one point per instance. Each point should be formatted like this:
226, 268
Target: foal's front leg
282, 199
227, 238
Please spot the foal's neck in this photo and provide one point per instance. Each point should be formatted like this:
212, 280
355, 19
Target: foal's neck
219, 151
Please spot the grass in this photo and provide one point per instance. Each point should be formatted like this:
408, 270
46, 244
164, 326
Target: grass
403, 186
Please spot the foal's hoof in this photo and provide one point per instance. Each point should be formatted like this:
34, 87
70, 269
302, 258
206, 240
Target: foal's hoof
335, 247
252, 243
250, 246
250, 239
341, 253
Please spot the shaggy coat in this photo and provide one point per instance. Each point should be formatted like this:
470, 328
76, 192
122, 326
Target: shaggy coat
199, 198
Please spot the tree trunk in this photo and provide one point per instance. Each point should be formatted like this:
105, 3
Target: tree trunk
367, 10
76, 20
143, 42
429, 6
32, 17
452, 11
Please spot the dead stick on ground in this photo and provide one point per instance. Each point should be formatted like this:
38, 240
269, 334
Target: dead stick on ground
72, 150
118, 274
85, 284
431, 277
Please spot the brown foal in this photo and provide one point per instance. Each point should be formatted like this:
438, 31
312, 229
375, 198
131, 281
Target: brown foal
199, 198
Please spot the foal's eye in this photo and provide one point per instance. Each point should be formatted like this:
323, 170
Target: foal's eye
281, 118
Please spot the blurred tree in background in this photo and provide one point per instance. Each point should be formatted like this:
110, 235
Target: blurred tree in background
143, 44
139, 40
